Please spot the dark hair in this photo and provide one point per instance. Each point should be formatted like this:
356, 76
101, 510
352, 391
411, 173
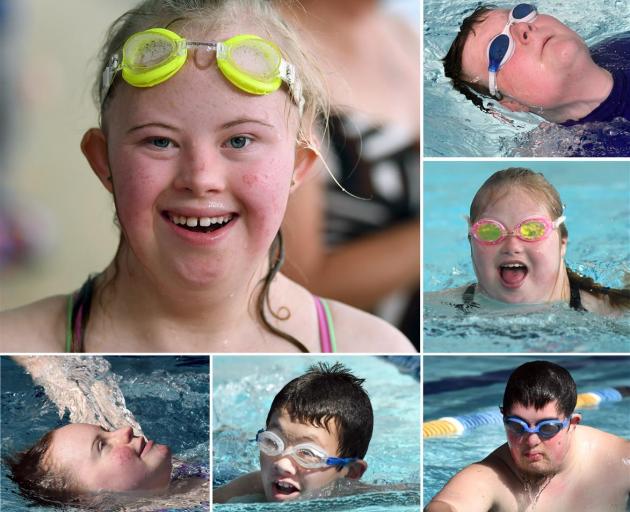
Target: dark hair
536, 183
328, 393
538, 383
453, 59
35, 477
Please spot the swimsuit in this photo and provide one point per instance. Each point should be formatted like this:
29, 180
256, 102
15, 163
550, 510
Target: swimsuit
468, 302
184, 470
380, 162
79, 306
612, 138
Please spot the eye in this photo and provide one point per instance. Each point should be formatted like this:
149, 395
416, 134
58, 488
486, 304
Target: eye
100, 445
308, 454
160, 142
239, 142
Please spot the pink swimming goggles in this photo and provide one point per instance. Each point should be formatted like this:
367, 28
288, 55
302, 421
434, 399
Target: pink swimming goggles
532, 229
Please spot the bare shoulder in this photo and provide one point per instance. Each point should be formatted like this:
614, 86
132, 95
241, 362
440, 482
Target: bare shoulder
474, 489
36, 327
605, 444
445, 297
599, 305
358, 331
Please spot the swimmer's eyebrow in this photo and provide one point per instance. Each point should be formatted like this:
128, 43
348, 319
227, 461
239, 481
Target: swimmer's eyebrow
149, 125
274, 426
528, 423
245, 120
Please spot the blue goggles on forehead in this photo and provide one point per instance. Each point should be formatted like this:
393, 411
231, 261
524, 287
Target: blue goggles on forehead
545, 429
501, 46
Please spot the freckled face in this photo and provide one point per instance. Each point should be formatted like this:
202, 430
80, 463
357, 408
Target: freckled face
196, 148
533, 454
110, 461
540, 278
548, 56
282, 477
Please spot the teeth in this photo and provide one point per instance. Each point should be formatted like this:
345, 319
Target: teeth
285, 486
199, 221
513, 265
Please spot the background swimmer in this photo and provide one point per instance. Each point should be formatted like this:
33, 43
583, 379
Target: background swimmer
518, 239
200, 166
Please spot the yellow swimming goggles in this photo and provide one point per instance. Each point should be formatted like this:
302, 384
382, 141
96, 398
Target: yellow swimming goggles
251, 63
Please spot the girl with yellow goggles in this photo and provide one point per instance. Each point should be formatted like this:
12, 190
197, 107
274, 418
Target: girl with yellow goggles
249, 62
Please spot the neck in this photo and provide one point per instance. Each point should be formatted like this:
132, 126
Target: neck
584, 93
561, 291
164, 312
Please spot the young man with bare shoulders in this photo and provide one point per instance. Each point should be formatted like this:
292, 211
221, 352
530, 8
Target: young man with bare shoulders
550, 463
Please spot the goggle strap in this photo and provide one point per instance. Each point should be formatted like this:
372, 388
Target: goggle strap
289, 76
492, 75
108, 74
558, 221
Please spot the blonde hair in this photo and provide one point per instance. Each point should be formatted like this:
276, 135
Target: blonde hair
518, 177
213, 15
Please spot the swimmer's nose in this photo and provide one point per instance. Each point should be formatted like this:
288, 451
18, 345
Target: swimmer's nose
522, 32
285, 465
512, 244
123, 435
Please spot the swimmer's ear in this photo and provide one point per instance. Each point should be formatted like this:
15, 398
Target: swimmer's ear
94, 147
563, 246
513, 105
356, 469
305, 158
576, 418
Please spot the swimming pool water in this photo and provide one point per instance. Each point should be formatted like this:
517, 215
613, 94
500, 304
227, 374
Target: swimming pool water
453, 126
597, 201
243, 389
169, 397
462, 385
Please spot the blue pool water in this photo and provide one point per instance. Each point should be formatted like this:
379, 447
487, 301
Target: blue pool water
169, 397
243, 389
597, 200
463, 385
453, 126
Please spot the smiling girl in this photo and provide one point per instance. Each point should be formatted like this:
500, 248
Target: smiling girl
518, 241
205, 132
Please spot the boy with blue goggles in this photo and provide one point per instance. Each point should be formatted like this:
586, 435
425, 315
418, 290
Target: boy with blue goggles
545, 429
501, 46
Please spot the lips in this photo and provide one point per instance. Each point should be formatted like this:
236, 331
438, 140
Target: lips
145, 447
533, 456
204, 223
512, 273
284, 490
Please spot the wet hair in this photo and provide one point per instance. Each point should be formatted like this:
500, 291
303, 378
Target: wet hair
537, 184
328, 393
538, 383
37, 479
453, 59
212, 15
